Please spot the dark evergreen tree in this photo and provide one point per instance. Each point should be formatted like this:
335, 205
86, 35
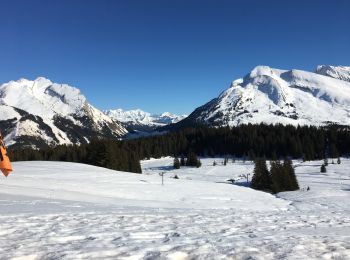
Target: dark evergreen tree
192, 159
293, 182
176, 163
278, 177
283, 176
183, 162
199, 163
261, 179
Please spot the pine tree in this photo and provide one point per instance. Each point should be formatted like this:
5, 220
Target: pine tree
283, 176
288, 167
261, 179
176, 163
277, 177
191, 159
199, 163
182, 161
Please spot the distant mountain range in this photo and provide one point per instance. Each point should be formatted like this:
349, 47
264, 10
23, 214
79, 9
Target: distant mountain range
39, 113
138, 120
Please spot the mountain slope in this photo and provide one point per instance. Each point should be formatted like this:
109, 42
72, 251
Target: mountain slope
138, 120
271, 96
39, 113
337, 72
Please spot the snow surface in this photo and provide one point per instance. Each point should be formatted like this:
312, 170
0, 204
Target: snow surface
53, 210
140, 117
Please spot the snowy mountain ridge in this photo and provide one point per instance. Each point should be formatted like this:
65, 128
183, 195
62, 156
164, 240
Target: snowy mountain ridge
39, 112
138, 118
268, 95
337, 72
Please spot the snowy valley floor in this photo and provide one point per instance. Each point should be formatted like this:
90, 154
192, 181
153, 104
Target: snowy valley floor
55, 210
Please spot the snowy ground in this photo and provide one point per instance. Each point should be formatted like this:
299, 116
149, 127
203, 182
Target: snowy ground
51, 210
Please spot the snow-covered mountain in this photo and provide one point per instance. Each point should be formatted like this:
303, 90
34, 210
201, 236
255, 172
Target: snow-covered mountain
39, 112
339, 72
143, 121
268, 95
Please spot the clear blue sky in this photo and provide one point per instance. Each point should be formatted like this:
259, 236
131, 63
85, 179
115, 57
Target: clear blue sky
166, 55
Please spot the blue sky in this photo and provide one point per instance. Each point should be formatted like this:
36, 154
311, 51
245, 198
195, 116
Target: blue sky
170, 55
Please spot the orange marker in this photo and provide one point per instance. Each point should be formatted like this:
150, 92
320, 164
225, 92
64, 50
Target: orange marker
5, 164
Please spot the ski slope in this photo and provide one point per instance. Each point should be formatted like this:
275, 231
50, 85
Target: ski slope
52, 210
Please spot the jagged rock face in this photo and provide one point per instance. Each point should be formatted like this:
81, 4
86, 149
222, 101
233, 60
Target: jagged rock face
274, 96
41, 113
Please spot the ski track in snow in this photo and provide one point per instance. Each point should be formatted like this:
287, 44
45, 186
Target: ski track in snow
303, 224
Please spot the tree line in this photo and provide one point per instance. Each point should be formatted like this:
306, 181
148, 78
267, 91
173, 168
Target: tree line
244, 141
248, 142
106, 153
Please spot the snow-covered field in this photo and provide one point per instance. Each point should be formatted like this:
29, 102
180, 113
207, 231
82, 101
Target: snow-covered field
51, 210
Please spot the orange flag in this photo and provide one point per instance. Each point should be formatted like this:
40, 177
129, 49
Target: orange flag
5, 164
